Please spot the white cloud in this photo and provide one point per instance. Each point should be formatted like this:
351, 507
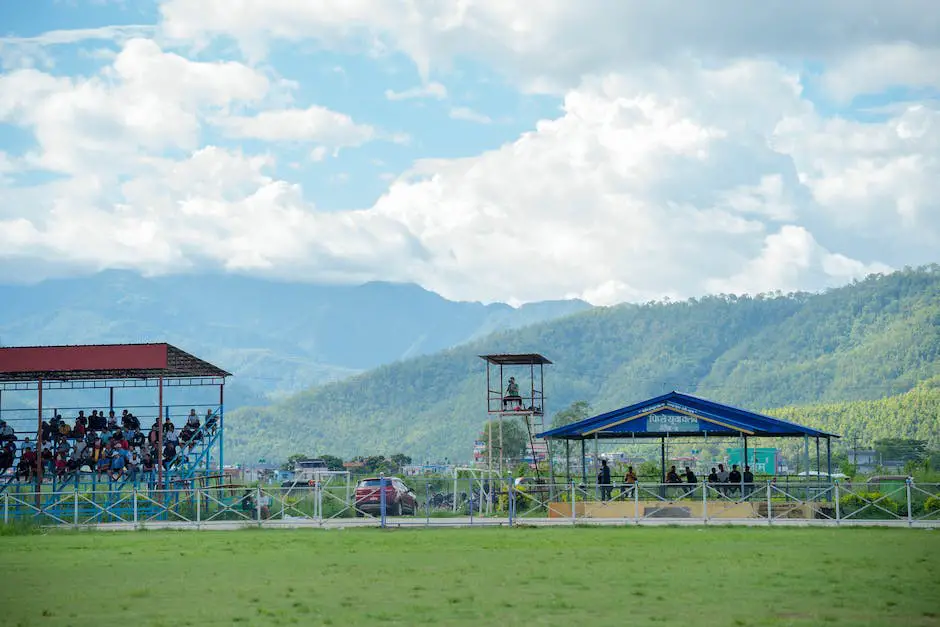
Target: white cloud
430, 90
146, 102
313, 124
587, 37
687, 157
217, 207
469, 115
873, 69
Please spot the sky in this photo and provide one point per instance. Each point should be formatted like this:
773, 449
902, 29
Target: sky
492, 150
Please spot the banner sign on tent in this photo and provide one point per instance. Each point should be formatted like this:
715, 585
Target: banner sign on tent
668, 422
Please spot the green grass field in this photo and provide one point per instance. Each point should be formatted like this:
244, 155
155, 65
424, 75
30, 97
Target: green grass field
523, 576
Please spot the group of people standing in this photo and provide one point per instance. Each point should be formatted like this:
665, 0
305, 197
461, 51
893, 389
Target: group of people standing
726, 482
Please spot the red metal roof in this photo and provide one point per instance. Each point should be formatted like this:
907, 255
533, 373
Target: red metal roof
108, 361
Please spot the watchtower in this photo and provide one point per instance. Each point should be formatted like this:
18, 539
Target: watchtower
515, 388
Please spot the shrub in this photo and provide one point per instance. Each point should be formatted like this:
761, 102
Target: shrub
869, 501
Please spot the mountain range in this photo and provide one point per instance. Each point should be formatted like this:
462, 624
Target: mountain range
875, 338
275, 337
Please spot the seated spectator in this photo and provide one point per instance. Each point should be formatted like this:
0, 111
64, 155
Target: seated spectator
211, 421
78, 431
690, 476
712, 476
46, 431
118, 463
27, 465
192, 420
7, 455
112, 422
103, 465
6, 432
96, 421
48, 459
64, 429
168, 425
170, 435
137, 439
60, 465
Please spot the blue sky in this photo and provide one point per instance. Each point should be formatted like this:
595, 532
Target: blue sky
606, 151
352, 83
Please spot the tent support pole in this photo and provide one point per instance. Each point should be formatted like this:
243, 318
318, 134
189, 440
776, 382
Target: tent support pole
818, 465
662, 459
568, 460
829, 462
745, 465
583, 463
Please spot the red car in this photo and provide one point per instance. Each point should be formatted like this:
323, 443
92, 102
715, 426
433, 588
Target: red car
399, 498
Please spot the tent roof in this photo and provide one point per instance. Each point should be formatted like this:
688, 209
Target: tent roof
102, 361
676, 415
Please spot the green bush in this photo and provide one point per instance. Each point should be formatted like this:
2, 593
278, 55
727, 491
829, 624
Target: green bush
870, 503
932, 504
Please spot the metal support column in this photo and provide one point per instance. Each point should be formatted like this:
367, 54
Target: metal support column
111, 399
568, 460
222, 430
829, 462
662, 459
583, 464
818, 465
39, 446
160, 434
745, 466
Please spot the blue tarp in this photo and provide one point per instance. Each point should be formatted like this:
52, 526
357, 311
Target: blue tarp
676, 414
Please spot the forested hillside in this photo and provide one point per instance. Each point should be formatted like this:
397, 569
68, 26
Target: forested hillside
872, 339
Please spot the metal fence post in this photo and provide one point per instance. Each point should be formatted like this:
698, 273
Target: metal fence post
382, 500
6, 508
470, 496
258, 504
910, 518
75, 505
510, 499
318, 486
636, 502
574, 499
770, 509
705, 502
197, 493
427, 504
835, 490
135, 506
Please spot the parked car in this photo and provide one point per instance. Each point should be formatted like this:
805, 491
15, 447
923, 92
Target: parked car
399, 498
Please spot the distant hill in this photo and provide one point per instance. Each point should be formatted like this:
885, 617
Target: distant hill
875, 338
276, 337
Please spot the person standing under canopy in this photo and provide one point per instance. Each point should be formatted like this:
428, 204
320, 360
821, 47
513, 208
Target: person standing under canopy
603, 480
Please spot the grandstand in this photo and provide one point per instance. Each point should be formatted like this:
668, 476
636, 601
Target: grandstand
48, 449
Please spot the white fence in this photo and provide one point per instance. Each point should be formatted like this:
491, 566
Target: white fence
481, 501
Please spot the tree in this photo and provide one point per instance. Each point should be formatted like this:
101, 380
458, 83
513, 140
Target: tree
332, 462
293, 459
400, 460
576, 411
515, 439
901, 449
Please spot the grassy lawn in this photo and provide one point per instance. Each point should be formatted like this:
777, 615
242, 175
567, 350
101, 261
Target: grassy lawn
548, 576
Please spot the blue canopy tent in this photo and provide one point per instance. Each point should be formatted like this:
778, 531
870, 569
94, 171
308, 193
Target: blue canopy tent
682, 415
